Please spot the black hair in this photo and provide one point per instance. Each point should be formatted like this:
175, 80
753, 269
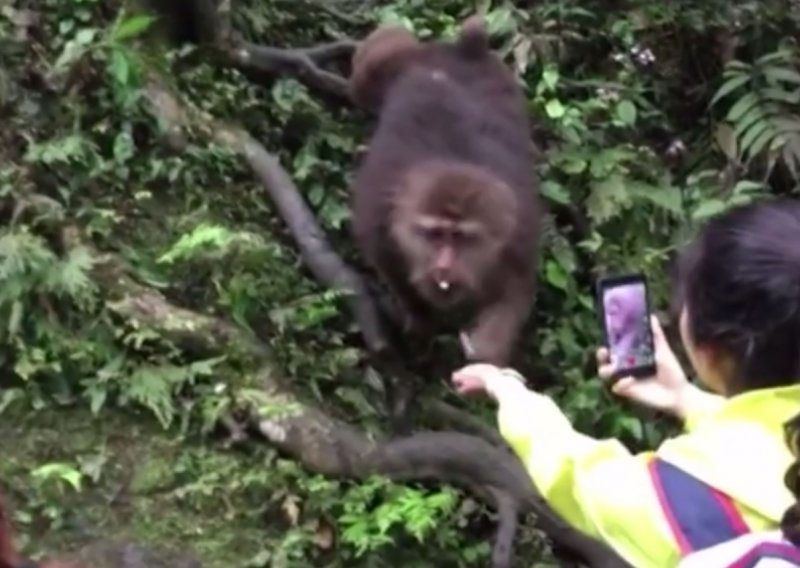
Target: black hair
740, 282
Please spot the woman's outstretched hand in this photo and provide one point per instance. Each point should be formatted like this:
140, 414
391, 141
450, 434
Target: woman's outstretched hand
480, 378
665, 391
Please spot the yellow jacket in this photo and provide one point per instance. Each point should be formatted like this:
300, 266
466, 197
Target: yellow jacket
599, 487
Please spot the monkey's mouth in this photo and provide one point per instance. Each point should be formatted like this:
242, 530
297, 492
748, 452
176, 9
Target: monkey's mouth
444, 292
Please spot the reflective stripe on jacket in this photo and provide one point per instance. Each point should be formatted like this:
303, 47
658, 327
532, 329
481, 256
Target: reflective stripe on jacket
755, 550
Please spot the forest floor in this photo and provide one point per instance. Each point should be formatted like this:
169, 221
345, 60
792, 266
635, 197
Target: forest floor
156, 488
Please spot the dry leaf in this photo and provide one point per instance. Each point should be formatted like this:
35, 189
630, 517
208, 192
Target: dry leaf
323, 536
291, 506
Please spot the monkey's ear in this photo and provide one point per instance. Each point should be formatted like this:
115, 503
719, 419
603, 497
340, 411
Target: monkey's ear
473, 42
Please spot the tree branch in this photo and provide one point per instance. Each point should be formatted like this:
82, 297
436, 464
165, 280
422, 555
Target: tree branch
303, 64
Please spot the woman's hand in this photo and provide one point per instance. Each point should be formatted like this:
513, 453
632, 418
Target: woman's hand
666, 391
481, 378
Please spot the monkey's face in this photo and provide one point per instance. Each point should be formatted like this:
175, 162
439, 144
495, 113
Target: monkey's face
448, 259
624, 309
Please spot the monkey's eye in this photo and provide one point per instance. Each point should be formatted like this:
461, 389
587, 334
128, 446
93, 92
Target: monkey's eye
432, 233
466, 239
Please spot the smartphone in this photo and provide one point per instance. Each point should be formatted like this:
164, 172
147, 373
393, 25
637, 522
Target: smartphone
624, 309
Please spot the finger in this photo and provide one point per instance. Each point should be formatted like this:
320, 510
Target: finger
605, 371
623, 386
659, 339
602, 356
467, 384
470, 374
477, 369
466, 345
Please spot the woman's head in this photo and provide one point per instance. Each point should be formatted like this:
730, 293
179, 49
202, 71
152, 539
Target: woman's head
738, 288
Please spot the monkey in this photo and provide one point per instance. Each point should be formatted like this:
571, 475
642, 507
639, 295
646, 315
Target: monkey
445, 203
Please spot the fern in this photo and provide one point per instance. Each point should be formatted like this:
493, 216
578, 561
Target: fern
211, 239
28, 266
70, 276
763, 119
24, 263
154, 386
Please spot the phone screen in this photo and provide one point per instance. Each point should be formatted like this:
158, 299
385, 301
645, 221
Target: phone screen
625, 317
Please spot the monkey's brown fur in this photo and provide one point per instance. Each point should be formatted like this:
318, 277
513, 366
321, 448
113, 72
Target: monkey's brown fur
448, 176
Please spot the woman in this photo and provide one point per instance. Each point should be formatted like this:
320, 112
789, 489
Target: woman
739, 291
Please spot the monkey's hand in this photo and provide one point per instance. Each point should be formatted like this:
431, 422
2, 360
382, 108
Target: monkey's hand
492, 338
481, 346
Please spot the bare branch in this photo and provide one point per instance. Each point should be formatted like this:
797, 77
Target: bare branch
300, 63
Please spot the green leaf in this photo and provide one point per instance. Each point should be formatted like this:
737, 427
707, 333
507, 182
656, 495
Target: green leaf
554, 108
750, 118
626, 112
728, 87
742, 106
606, 199
86, 36
573, 165
555, 192
500, 21
131, 27
754, 133
665, 196
778, 74
119, 67
726, 138
61, 471
709, 208
555, 275
762, 141
550, 77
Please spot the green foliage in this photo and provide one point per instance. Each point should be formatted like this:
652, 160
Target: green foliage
762, 120
368, 529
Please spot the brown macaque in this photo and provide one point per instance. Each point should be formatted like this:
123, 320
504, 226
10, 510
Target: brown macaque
445, 203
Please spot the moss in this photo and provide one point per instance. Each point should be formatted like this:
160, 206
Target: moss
155, 488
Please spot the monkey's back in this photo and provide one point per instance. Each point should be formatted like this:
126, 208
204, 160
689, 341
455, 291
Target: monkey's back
469, 113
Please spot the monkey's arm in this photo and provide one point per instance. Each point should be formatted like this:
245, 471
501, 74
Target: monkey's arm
491, 339
598, 486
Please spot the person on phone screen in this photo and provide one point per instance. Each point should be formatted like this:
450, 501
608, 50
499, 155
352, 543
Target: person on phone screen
627, 321
738, 294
